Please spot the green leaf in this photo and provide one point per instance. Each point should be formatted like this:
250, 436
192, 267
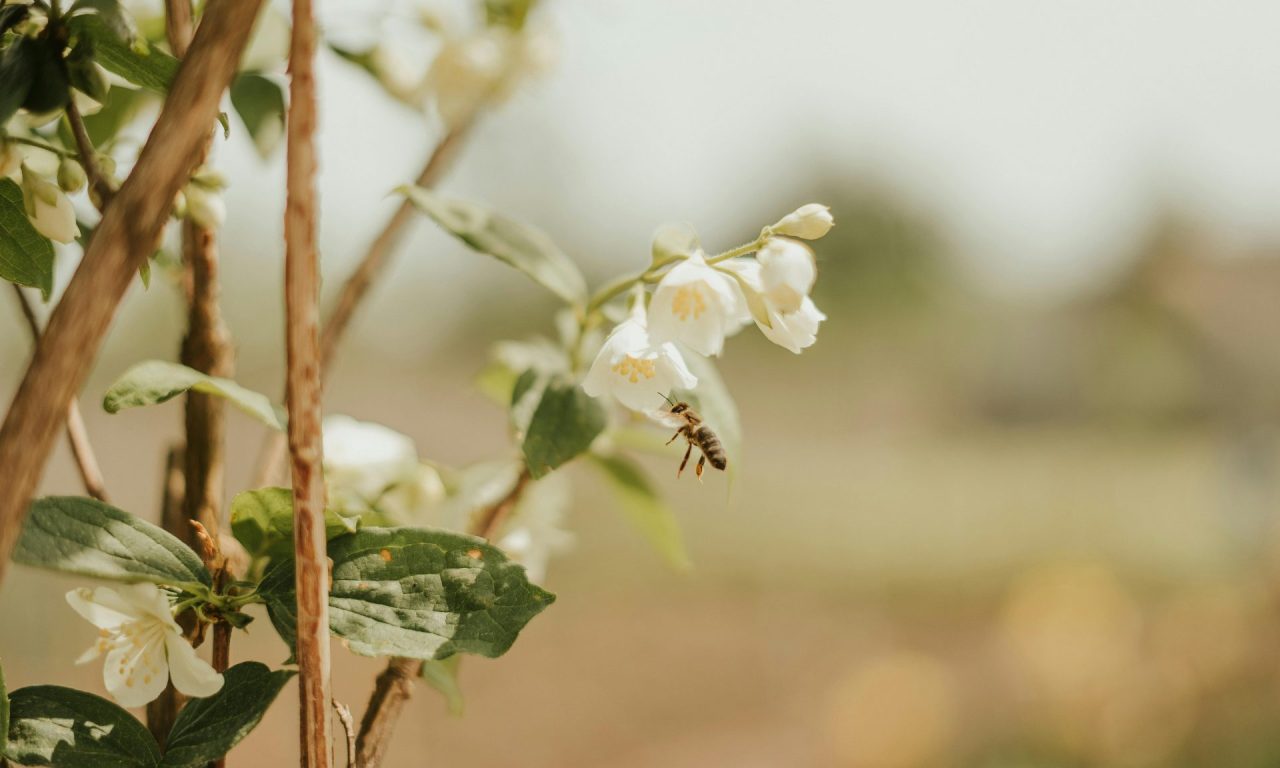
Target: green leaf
208, 728
84, 74
4, 712
134, 60
87, 537
565, 423
442, 674
63, 727
17, 70
113, 15
713, 402
260, 103
26, 256
49, 89
419, 593
523, 247
262, 520
279, 595
156, 381
122, 105
644, 508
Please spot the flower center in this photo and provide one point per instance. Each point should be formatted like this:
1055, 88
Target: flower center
632, 368
688, 301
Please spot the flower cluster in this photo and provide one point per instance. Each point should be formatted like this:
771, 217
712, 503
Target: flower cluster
699, 301
45, 201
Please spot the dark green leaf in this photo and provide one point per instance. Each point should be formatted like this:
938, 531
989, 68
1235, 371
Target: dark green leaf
565, 423
260, 103
17, 68
419, 593
523, 247
645, 508
442, 674
279, 595
262, 521
66, 728
84, 74
85, 536
156, 381
26, 256
49, 88
208, 728
150, 68
114, 17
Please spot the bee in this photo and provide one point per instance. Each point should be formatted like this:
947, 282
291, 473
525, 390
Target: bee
697, 434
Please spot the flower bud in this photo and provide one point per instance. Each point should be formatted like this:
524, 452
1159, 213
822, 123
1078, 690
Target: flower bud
71, 176
205, 207
465, 74
808, 222
10, 158
49, 210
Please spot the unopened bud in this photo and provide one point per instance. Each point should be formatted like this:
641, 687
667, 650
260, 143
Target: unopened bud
808, 222
205, 207
71, 176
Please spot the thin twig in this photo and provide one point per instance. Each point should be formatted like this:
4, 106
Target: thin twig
349, 727
124, 239
88, 158
356, 288
77, 435
395, 684
302, 387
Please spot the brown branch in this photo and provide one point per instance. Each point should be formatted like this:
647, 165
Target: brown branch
124, 239
357, 287
349, 728
302, 388
395, 685
163, 712
77, 435
98, 183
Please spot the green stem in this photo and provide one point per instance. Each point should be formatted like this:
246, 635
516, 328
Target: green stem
41, 145
742, 250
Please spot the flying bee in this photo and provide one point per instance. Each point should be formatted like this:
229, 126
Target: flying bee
697, 434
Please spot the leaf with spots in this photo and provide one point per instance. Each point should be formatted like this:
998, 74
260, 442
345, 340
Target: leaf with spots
63, 727
419, 593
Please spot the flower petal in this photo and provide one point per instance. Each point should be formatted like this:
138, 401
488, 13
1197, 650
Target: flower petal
135, 672
102, 607
191, 674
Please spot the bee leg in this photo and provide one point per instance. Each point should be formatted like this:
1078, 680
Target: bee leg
686, 460
701, 462
677, 434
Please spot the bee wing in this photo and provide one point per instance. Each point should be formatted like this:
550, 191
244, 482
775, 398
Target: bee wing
666, 418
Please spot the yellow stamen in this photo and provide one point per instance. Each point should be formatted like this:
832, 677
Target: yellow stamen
688, 301
633, 368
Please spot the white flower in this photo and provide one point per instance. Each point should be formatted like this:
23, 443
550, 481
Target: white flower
368, 466
205, 206
465, 73
697, 306
636, 370
49, 209
536, 533
795, 330
808, 222
143, 644
787, 272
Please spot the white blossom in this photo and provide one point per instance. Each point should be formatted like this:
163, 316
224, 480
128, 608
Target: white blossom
808, 222
635, 369
143, 644
794, 330
465, 73
787, 272
205, 206
696, 305
369, 466
49, 209
536, 533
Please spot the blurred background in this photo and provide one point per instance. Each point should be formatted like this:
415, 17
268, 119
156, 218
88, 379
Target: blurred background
1016, 507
